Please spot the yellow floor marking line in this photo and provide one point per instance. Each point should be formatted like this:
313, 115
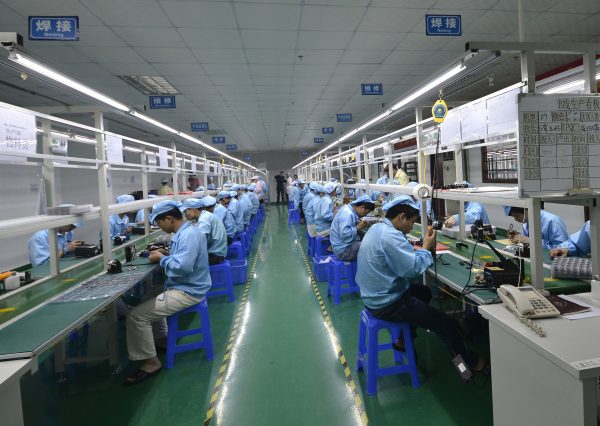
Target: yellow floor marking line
233, 335
358, 403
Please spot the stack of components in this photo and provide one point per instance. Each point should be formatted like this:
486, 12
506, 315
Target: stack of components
79, 209
572, 267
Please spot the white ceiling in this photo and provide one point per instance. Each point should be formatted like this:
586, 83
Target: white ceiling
237, 63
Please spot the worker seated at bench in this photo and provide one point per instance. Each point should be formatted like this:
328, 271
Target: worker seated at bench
187, 281
310, 202
578, 244
223, 213
347, 227
119, 223
554, 230
141, 214
39, 243
323, 212
200, 212
474, 211
387, 263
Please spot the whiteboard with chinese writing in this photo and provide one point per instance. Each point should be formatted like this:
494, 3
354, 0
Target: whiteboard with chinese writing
559, 143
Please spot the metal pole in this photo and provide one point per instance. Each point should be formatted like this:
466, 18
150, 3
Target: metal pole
174, 174
534, 220
366, 161
144, 163
528, 70
595, 235
50, 187
589, 72
104, 183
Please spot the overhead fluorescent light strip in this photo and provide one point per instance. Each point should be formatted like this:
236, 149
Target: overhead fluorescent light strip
63, 79
568, 86
405, 101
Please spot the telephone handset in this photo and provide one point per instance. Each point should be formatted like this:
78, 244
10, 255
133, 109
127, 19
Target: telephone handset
526, 301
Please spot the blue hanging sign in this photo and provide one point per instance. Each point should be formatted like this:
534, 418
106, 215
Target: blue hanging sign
304, 153
199, 126
162, 102
218, 139
344, 118
63, 28
372, 88
247, 157
443, 25
327, 130
318, 140
231, 147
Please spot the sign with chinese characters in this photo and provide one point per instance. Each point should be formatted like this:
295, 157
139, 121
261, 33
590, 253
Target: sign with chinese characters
443, 25
17, 134
304, 153
344, 118
318, 140
151, 161
114, 149
327, 130
247, 157
64, 28
200, 126
193, 164
231, 147
162, 102
371, 89
218, 139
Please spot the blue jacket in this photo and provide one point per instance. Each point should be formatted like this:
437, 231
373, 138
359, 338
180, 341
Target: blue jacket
238, 214
298, 196
323, 213
254, 203
226, 217
39, 246
118, 225
386, 264
309, 209
305, 202
140, 215
246, 209
579, 243
343, 229
216, 235
186, 267
554, 230
473, 212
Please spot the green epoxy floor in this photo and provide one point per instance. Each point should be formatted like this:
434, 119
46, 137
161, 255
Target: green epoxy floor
284, 370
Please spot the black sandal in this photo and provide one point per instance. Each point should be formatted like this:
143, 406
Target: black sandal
139, 376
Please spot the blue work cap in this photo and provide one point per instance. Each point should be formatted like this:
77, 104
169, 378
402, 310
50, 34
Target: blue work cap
301, 182
401, 199
507, 210
209, 201
79, 222
163, 207
362, 199
200, 189
329, 188
127, 198
251, 187
313, 186
375, 195
236, 187
223, 194
227, 185
338, 188
362, 181
233, 193
191, 203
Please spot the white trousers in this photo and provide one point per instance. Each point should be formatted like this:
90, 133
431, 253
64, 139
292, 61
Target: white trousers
312, 230
324, 233
140, 339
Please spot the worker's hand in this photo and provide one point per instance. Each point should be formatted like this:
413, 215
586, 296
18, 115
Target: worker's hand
518, 238
450, 222
559, 252
429, 240
129, 229
362, 224
72, 244
155, 256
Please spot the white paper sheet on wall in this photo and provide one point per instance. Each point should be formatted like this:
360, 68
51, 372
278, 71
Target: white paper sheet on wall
151, 160
164, 158
17, 134
193, 165
114, 149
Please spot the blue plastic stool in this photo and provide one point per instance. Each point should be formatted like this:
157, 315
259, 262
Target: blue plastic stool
294, 216
174, 333
290, 205
341, 279
222, 281
310, 245
320, 246
242, 237
235, 250
368, 344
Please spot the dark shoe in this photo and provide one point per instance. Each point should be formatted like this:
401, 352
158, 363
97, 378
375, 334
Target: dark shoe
139, 376
399, 345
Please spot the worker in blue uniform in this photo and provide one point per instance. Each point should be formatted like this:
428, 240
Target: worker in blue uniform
578, 244
385, 179
244, 204
346, 228
187, 281
236, 211
254, 202
298, 194
39, 243
310, 194
324, 210
387, 263
200, 212
223, 213
309, 210
119, 223
377, 197
474, 211
554, 230
141, 214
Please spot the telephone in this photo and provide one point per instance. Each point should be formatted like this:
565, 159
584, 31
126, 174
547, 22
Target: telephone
526, 301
